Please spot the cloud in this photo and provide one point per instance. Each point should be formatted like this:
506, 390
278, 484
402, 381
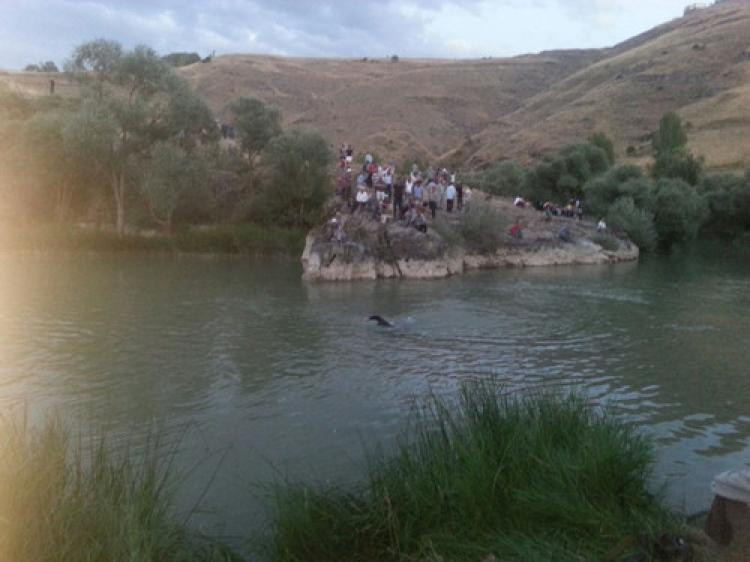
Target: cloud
49, 29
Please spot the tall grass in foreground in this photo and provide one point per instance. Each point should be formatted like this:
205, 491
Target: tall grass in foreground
59, 504
537, 478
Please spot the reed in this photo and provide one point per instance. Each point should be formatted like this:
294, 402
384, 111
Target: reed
532, 478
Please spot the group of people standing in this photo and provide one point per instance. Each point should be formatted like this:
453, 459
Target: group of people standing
379, 191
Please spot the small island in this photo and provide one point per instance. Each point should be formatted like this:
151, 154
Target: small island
355, 246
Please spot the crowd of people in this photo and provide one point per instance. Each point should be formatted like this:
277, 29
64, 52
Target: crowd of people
380, 192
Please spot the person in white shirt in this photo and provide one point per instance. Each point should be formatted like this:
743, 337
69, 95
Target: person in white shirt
362, 197
601, 226
450, 196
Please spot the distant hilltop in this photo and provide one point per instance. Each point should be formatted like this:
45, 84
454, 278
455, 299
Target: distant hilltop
467, 113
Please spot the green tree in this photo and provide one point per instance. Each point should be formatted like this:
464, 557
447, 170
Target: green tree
727, 198
133, 104
55, 170
671, 136
173, 175
679, 211
673, 159
297, 181
503, 178
636, 222
601, 140
256, 124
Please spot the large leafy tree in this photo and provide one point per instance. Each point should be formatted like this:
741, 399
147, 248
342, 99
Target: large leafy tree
256, 124
132, 101
173, 174
297, 183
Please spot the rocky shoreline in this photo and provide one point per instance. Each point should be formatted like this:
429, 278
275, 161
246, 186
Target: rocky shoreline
373, 250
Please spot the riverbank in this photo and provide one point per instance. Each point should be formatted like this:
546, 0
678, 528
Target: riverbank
481, 476
368, 249
235, 239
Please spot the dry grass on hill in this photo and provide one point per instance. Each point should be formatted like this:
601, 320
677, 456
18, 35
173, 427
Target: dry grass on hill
471, 112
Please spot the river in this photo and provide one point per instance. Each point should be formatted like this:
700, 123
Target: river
259, 376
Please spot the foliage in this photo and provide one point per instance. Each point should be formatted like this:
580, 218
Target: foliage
480, 228
728, 202
173, 175
673, 159
671, 136
679, 165
562, 176
636, 222
297, 181
59, 502
679, 212
602, 141
535, 478
504, 178
256, 124
181, 59
609, 243
601, 192
116, 129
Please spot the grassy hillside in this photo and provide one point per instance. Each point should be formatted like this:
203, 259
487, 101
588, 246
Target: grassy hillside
472, 112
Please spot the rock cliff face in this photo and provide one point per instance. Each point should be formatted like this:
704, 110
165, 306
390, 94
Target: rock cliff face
370, 250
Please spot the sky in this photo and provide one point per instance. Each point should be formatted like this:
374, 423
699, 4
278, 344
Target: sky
36, 30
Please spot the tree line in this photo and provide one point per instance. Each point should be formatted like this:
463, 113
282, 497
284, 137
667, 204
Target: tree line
672, 202
139, 148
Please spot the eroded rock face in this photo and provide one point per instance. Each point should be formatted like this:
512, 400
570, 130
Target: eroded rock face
371, 250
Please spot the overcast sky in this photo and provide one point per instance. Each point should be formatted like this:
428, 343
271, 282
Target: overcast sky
35, 30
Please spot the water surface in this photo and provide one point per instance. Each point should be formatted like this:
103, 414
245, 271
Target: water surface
274, 378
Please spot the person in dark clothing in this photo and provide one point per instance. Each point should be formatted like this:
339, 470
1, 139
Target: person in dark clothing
460, 196
398, 198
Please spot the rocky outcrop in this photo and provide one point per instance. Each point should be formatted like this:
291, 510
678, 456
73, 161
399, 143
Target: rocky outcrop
371, 250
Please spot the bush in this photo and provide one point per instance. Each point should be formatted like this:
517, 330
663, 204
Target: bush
609, 243
603, 191
679, 212
728, 203
181, 59
479, 229
562, 176
296, 183
504, 178
637, 223
534, 478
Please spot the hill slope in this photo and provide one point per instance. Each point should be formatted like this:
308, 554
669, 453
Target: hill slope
473, 112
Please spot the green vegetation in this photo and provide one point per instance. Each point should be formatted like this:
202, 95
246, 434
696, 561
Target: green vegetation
606, 241
140, 150
537, 478
479, 229
59, 503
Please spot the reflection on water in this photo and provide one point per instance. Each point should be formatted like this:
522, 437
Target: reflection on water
285, 378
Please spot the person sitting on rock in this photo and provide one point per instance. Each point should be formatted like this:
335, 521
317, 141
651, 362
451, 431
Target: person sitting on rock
519, 201
564, 234
419, 221
516, 231
601, 226
398, 198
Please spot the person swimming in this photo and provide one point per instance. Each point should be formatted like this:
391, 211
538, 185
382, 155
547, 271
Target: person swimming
381, 321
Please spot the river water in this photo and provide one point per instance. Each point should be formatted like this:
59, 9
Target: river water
259, 376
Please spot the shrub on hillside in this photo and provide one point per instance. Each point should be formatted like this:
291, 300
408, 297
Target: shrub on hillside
601, 192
